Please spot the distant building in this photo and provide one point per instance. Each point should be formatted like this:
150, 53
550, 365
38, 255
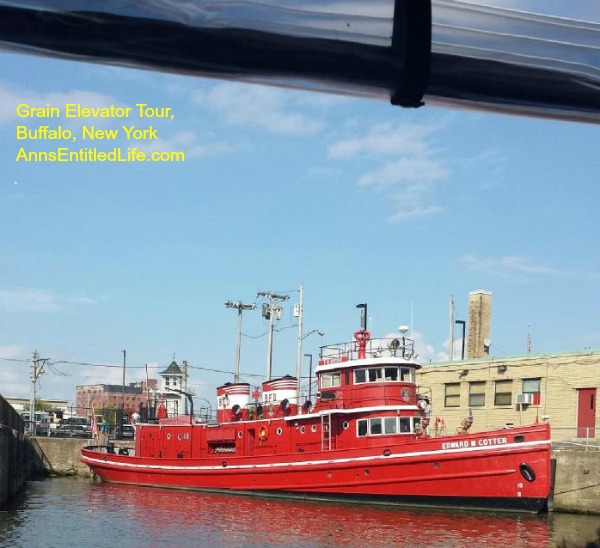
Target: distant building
101, 396
21, 404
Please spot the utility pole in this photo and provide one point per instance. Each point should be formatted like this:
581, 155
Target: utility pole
124, 366
269, 312
238, 349
451, 335
34, 374
300, 313
32, 379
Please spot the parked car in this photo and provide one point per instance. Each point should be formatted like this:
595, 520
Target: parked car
73, 427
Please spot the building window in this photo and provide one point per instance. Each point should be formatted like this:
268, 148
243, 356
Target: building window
532, 386
452, 398
503, 393
476, 394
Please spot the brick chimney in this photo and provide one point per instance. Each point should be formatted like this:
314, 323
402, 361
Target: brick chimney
480, 320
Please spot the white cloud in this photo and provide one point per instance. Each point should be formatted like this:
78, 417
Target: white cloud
384, 139
421, 171
510, 265
424, 352
38, 300
409, 177
12, 351
415, 212
187, 142
323, 171
251, 105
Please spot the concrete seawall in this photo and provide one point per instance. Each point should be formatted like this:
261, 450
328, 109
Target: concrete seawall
577, 482
576, 489
15, 453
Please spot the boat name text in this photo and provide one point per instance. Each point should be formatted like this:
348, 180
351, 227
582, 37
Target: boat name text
484, 442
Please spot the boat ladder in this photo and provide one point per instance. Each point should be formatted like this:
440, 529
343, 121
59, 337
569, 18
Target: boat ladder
326, 442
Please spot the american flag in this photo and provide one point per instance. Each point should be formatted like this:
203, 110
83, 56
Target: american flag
94, 424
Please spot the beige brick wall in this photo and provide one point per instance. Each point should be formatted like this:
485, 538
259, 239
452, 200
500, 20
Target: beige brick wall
560, 378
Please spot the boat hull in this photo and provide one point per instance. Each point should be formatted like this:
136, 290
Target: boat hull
507, 469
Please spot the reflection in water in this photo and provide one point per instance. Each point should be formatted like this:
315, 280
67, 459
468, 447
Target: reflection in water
68, 512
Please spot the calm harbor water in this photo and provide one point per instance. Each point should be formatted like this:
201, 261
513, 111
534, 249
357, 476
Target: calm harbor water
74, 512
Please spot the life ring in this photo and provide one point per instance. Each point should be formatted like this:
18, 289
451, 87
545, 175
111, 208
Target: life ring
263, 433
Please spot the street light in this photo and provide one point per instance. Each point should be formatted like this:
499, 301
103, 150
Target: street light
310, 358
240, 308
462, 322
321, 333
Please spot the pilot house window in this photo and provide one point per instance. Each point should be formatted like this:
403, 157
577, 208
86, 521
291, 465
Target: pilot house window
387, 425
329, 380
390, 373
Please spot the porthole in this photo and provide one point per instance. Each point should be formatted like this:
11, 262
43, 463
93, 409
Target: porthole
345, 425
313, 428
302, 429
279, 431
168, 436
240, 435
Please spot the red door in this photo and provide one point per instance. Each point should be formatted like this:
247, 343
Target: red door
586, 412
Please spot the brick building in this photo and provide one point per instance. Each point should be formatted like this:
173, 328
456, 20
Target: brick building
112, 396
561, 389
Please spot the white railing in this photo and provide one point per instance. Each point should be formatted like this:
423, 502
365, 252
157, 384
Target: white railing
564, 437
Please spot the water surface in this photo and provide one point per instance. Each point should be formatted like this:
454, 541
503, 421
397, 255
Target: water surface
75, 512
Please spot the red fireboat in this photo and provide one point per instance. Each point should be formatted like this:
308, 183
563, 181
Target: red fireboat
366, 438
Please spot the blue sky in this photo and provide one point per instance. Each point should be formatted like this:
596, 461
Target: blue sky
356, 200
